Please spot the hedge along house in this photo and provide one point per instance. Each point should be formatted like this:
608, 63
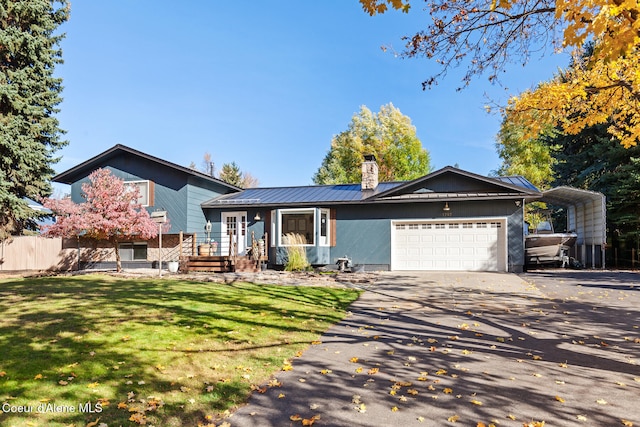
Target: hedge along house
163, 186
448, 220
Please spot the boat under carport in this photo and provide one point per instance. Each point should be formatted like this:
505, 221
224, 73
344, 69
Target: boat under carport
587, 217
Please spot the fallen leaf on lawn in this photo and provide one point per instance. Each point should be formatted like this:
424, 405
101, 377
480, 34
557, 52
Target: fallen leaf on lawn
295, 417
138, 418
447, 390
559, 399
93, 423
93, 385
359, 369
38, 377
2, 373
63, 382
287, 368
453, 418
626, 423
122, 405
316, 342
394, 409
601, 401
392, 392
373, 371
353, 360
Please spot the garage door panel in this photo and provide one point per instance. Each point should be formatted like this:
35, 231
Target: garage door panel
457, 245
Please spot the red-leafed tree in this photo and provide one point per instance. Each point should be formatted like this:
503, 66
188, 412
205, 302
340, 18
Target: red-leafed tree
110, 212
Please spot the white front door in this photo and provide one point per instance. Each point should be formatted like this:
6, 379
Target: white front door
234, 229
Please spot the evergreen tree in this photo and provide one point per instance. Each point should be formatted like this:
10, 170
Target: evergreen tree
29, 94
230, 173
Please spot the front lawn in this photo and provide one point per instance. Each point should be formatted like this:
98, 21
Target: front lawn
145, 351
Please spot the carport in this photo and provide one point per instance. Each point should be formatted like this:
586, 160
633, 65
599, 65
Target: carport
587, 217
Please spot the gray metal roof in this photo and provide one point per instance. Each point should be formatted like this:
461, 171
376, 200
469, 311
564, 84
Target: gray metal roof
512, 187
313, 194
518, 181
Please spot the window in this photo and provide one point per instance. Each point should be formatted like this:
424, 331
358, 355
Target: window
133, 251
146, 191
297, 227
324, 227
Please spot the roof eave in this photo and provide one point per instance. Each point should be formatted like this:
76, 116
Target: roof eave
66, 176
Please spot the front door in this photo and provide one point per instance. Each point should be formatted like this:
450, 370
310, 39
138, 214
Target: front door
234, 230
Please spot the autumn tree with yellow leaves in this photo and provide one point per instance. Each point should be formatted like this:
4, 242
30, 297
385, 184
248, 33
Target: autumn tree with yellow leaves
486, 35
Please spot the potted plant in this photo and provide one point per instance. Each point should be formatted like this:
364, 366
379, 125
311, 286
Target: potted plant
173, 266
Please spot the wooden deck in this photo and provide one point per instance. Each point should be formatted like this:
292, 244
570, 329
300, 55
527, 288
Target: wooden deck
221, 264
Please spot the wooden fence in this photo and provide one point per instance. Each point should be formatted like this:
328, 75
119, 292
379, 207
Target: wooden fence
35, 253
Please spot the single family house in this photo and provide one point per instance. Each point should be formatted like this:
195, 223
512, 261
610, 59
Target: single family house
450, 219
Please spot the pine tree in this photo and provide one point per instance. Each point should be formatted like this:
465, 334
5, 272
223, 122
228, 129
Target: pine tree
29, 94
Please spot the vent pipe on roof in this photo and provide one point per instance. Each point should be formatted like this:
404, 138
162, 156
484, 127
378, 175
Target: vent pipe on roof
369, 173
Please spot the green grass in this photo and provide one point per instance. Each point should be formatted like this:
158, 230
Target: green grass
177, 352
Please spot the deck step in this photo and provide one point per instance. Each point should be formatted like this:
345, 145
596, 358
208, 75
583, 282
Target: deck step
221, 264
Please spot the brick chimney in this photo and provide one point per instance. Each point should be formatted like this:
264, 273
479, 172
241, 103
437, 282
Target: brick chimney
369, 173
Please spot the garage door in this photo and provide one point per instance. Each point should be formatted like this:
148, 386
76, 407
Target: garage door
470, 245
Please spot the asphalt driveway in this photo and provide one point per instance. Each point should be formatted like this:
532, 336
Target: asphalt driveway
439, 349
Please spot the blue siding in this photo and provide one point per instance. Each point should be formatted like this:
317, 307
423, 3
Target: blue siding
174, 191
364, 232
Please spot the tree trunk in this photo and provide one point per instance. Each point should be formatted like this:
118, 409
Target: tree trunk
118, 263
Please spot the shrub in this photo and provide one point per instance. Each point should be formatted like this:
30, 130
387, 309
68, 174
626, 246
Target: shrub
296, 253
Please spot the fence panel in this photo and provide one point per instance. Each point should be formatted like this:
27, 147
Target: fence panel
34, 253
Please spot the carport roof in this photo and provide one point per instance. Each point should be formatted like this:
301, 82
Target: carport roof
565, 196
586, 214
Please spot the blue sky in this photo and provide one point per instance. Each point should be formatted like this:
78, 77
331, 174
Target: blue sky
264, 84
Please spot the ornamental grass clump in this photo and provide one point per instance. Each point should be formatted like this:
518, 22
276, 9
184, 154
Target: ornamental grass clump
296, 253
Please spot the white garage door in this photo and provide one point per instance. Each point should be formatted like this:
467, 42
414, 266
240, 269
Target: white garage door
469, 245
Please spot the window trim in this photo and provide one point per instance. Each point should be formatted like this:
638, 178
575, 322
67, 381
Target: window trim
147, 194
293, 211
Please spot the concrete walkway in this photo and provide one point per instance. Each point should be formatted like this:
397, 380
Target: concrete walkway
467, 348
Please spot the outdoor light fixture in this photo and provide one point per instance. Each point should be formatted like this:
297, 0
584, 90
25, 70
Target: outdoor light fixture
518, 203
257, 217
446, 211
